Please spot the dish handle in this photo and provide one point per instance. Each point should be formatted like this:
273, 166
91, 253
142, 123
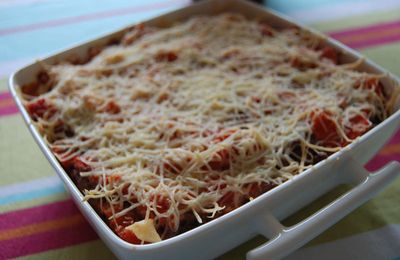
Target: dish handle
284, 240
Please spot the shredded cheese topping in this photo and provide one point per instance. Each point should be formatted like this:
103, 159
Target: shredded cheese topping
188, 120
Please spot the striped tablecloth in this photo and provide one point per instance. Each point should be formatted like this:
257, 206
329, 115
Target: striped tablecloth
37, 217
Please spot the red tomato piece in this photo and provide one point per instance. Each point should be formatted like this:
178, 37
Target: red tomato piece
324, 129
162, 203
112, 108
113, 179
41, 108
117, 223
220, 161
75, 164
330, 54
371, 84
169, 56
127, 235
359, 125
107, 211
80, 166
224, 135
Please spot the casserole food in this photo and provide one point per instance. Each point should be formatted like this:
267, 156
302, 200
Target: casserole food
171, 128
41, 110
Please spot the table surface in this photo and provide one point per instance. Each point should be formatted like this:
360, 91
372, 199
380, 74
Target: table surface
37, 216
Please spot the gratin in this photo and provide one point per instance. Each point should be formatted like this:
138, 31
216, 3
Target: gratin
166, 129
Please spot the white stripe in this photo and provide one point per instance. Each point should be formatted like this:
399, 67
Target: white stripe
38, 184
343, 10
381, 243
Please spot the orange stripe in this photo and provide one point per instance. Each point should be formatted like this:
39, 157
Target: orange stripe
41, 227
7, 102
369, 35
390, 149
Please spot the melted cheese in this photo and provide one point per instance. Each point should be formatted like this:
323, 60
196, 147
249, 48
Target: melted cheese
145, 231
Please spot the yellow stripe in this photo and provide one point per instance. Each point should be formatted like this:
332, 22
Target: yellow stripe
6, 102
41, 227
390, 149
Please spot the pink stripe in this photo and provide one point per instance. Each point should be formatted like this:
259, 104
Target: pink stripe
10, 109
5, 95
366, 29
373, 42
7, 111
380, 161
47, 241
37, 214
395, 139
90, 17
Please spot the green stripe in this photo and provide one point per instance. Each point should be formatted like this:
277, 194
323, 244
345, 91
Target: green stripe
4, 84
20, 157
358, 21
386, 55
90, 250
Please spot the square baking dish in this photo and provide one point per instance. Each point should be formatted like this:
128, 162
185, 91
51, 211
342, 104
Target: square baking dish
263, 214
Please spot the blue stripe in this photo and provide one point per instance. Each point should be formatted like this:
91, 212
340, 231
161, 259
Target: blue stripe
48, 40
18, 15
288, 6
30, 195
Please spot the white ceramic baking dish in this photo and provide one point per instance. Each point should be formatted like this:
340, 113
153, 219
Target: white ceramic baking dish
262, 215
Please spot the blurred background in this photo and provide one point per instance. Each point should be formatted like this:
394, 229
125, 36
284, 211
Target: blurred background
37, 218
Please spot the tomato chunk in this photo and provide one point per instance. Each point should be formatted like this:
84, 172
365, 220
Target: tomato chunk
224, 135
324, 129
162, 203
220, 161
370, 84
112, 108
169, 56
359, 125
127, 235
75, 164
330, 54
40, 109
